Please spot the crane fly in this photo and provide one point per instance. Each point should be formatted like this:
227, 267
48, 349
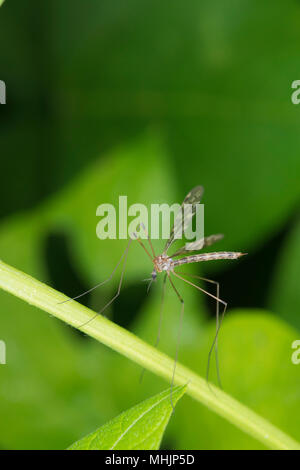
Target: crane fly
167, 265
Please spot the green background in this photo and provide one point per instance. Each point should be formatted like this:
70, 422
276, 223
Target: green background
148, 99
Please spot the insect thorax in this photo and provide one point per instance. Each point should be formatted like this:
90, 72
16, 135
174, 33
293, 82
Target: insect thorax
163, 263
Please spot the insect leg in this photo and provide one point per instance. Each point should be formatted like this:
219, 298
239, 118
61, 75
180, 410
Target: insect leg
178, 336
160, 319
149, 240
142, 245
217, 284
220, 322
161, 310
118, 291
103, 282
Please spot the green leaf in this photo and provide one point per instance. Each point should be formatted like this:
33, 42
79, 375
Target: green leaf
80, 381
1, 2
139, 428
255, 365
36, 293
225, 114
69, 376
223, 108
255, 350
284, 296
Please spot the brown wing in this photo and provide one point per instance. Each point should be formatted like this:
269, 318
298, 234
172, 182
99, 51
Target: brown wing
198, 245
182, 221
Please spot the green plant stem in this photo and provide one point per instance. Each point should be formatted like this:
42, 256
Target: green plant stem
119, 339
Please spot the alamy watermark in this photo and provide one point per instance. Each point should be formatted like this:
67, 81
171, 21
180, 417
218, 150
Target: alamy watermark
295, 97
296, 354
2, 352
2, 92
188, 220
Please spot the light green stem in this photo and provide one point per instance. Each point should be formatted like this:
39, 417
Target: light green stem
119, 339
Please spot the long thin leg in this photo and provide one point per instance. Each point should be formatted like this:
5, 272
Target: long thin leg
161, 310
103, 282
211, 281
160, 320
118, 291
142, 245
220, 322
178, 336
149, 240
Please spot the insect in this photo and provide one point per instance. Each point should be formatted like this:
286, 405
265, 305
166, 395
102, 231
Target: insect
168, 265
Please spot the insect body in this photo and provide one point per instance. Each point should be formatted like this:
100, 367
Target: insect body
162, 263
165, 263
207, 257
168, 264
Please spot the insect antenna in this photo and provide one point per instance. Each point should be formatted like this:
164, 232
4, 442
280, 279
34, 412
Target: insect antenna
149, 285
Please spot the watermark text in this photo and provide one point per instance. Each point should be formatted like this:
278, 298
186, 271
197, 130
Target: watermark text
125, 221
2, 352
296, 354
2, 92
296, 94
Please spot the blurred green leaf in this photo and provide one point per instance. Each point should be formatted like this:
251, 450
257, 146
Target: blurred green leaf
224, 108
80, 380
255, 365
39, 294
47, 362
284, 297
255, 352
226, 114
140, 428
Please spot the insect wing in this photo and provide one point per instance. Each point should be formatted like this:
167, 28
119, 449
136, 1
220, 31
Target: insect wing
183, 218
198, 244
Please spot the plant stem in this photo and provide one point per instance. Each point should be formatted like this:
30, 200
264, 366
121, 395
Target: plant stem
119, 339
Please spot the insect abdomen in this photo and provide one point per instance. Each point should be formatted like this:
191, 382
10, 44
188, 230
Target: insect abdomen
208, 257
